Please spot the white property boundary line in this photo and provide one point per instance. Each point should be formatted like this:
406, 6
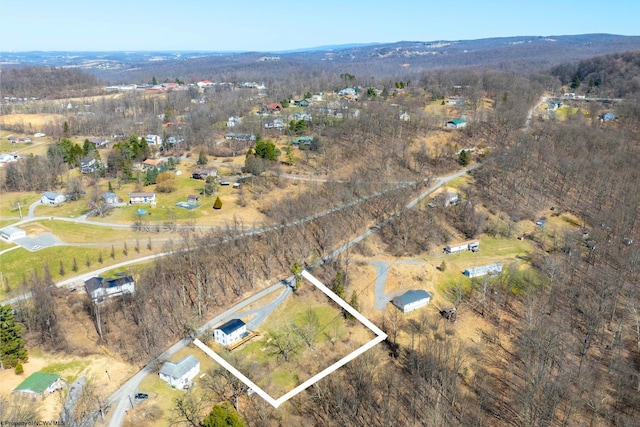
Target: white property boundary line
380, 336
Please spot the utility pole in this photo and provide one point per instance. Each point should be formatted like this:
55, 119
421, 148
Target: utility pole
20, 210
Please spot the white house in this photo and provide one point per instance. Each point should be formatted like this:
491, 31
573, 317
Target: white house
483, 270
412, 300
8, 158
153, 139
52, 198
471, 245
233, 121
230, 332
99, 288
456, 124
12, 233
110, 198
142, 197
180, 374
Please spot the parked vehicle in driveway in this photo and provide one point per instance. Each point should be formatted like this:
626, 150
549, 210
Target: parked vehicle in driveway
141, 396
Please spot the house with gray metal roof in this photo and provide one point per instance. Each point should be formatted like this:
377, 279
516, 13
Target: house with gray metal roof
52, 198
180, 374
412, 300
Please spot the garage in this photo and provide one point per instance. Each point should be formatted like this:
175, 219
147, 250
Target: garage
12, 233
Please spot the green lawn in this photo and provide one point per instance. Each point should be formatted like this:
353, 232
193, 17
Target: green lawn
69, 371
21, 263
70, 232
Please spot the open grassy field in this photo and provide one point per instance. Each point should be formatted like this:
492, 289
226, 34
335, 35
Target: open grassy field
9, 203
20, 263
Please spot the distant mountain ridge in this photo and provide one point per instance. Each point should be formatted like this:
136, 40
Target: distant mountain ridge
519, 54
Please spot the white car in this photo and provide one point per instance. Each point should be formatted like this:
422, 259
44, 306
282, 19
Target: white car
35, 247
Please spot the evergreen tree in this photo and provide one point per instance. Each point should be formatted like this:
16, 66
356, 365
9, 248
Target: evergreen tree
202, 158
217, 204
74, 266
337, 284
288, 151
223, 415
12, 350
353, 302
464, 158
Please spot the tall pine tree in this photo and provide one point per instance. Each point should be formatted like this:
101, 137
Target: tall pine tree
12, 350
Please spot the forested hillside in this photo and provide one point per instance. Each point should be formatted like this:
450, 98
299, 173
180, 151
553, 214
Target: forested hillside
616, 75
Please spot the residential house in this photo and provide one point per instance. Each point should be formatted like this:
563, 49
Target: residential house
450, 199
8, 158
152, 163
301, 103
153, 139
412, 300
203, 173
205, 83
100, 289
456, 124
40, 383
240, 136
277, 123
17, 139
608, 117
455, 100
52, 198
230, 332
98, 142
12, 233
233, 121
302, 140
142, 197
347, 91
483, 270
272, 108
180, 374
110, 198
302, 116
471, 245
88, 165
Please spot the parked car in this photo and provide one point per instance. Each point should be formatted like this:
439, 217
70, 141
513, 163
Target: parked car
141, 396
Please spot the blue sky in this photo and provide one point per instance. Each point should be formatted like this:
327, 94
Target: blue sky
251, 25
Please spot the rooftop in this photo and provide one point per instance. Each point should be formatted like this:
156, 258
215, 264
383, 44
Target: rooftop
178, 369
231, 326
37, 382
413, 296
